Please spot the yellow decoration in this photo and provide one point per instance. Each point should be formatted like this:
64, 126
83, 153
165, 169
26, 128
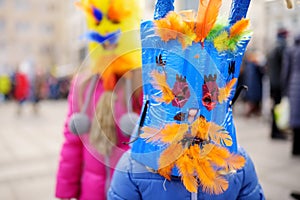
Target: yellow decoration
123, 15
220, 42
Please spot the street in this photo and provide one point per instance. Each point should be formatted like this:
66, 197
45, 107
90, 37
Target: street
30, 146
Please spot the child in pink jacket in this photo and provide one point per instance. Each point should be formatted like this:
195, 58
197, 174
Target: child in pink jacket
83, 173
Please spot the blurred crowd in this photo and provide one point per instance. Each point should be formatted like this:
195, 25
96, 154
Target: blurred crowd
22, 86
275, 76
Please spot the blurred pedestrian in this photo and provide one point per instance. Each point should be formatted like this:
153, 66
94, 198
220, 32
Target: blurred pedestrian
291, 87
21, 89
253, 75
274, 69
94, 136
5, 86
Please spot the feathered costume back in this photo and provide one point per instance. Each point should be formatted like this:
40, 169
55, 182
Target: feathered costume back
190, 71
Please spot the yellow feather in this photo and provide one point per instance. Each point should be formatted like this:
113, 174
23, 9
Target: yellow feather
220, 42
208, 11
160, 83
170, 155
224, 93
235, 162
239, 27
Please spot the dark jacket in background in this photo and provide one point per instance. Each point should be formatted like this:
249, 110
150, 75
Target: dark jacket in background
291, 81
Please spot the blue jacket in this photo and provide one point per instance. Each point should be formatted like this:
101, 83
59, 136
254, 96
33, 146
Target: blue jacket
132, 181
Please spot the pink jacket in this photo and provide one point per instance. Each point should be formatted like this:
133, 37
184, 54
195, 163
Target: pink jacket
82, 172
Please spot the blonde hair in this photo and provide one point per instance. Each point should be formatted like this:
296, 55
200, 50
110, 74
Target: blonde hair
102, 135
103, 131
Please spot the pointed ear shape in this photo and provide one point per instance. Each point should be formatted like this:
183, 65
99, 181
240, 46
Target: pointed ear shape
162, 7
238, 10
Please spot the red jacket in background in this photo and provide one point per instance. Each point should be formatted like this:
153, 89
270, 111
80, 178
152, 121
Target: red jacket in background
21, 89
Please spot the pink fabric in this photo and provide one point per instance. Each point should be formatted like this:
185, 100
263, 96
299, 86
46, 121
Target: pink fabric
82, 172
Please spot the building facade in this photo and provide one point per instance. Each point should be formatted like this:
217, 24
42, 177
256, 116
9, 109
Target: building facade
31, 31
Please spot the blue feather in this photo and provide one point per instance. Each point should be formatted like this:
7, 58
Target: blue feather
97, 14
112, 38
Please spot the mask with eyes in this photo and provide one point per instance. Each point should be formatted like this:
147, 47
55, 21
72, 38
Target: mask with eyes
112, 24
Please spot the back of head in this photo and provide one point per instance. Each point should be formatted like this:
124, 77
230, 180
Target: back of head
297, 39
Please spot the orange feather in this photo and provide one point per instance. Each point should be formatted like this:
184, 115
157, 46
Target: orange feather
160, 83
218, 156
175, 26
208, 11
222, 138
184, 164
170, 155
224, 93
118, 10
190, 182
220, 185
239, 27
87, 9
151, 134
166, 171
235, 162
200, 128
173, 132
206, 173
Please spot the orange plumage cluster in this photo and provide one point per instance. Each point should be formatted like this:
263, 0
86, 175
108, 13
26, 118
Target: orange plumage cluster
174, 27
197, 154
187, 28
197, 151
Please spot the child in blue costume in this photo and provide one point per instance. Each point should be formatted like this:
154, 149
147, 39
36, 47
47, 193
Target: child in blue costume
185, 146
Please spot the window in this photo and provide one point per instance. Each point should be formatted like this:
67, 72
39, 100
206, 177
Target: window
22, 26
2, 2
47, 28
46, 49
21, 4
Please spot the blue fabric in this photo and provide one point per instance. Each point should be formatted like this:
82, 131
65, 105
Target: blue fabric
132, 180
239, 9
162, 7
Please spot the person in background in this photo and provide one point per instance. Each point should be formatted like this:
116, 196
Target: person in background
5, 86
94, 136
274, 67
291, 88
253, 74
21, 87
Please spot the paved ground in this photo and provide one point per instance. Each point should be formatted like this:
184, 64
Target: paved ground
30, 144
